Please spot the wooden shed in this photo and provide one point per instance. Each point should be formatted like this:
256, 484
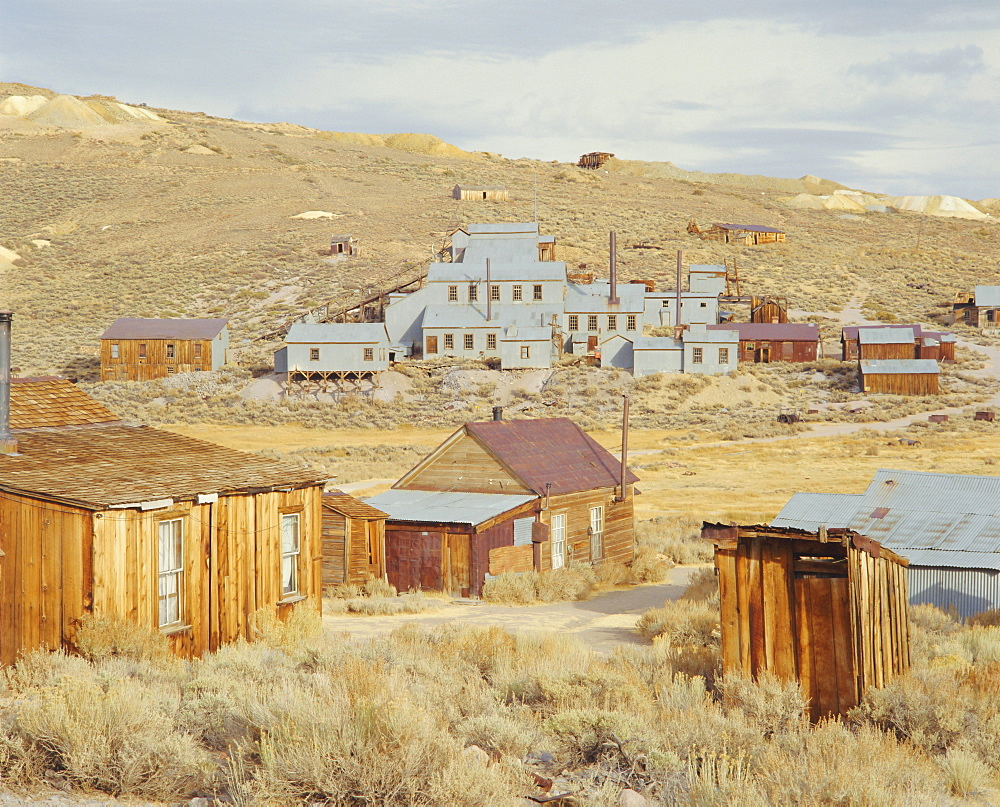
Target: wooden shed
346, 245
749, 235
899, 376
768, 309
924, 344
353, 540
887, 343
980, 308
594, 159
488, 193
134, 349
826, 608
128, 522
765, 342
546, 494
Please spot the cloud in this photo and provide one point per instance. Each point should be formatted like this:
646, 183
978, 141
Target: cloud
956, 64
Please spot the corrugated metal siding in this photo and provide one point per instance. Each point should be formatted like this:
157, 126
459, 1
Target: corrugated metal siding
968, 591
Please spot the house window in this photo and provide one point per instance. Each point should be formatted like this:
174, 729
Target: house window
574, 322
142, 351
558, 541
723, 355
453, 294
495, 293
290, 554
491, 341
171, 571
538, 292
517, 294
630, 322
170, 350
612, 322
473, 292
369, 354
197, 350
469, 341
525, 351
592, 322
314, 354
114, 351
696, 355
449, 341
596, 532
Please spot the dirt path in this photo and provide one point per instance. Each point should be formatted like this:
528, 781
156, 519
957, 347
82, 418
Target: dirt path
602, 622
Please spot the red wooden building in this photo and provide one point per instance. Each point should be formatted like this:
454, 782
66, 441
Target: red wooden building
766, 342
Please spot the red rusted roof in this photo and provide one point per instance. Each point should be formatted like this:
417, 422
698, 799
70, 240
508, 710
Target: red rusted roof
550, 450
783, 331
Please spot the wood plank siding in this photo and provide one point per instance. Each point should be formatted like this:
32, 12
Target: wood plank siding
462, 464
619, 526
146, 359
900, 383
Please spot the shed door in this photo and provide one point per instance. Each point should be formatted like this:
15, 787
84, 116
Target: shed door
432, 344
455, 573
824, 645
413, 559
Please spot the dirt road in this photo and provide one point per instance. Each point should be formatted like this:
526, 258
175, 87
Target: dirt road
603, 622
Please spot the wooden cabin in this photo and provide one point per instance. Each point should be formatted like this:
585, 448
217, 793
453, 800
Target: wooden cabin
143, 349
765, 342
980, 309
771, 310
346, 245
826, 608
749, 235
129, 522
507, 495
899, 376
594, 160
486, 193
923, 344
887, 343
353, 540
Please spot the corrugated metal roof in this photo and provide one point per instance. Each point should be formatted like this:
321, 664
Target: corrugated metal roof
988, 296
748, 228
656, 343
777, 331
527, 334
852, 331
807, 511
503, 315
501, 248
961, 560
584, 298
312, 333
135, 328
698, 336
886, 336
898, 366
500, 226
706, 268
445, 507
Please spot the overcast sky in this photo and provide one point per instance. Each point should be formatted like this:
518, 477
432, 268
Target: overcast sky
896, 96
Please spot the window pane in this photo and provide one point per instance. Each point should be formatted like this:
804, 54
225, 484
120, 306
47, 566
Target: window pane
289, 574
290, 533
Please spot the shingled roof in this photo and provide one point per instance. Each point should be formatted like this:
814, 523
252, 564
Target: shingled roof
53, 402
550, 450
347, 505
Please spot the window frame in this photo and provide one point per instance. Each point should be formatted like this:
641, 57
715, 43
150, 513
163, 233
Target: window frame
592, 323
723, 355
469, 341
369, 354
453, 294
115, 351
197, 350
171, 350
631, 322
525, 351
573, 322
517, 293
536, 293
557, 534
294, 591
491, 341
174, 573
697, 355
596, 532
449, 341
473, 293
494, 293
612, 322
314, 354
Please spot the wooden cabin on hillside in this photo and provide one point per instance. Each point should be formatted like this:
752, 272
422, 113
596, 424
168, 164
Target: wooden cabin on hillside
981, 308
768, 309
507, 495
483, 193
135, 349
129, 522
749, 235
594, 159
891, 342
899, 376
353, 540
827, 608
765, 342
345, 245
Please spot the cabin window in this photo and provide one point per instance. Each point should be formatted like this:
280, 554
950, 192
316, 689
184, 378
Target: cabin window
453, 294
314, 354
197, 350
517, 294
723, 355
142, 351
473, 292
495, 293
612, 322
630, 322
171, 353
369, 354
525, 351
491, 341
696, 355
558, 533
449, 341
469, 341
597, 532
574, 322
290, 554
171, 571
114, 351
592, 322
538, 292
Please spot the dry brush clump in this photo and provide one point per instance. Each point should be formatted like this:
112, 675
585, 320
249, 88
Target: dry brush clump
377, 597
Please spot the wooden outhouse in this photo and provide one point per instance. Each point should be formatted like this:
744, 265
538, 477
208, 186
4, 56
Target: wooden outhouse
826, 608
129, 522
521, 494
135, 349
353, 540
766, 342
346, 245
488, 193
899, 376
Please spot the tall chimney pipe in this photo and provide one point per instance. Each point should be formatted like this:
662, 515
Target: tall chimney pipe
613, 269
8, 445
624, 462
489, 293
680, 261
498, 413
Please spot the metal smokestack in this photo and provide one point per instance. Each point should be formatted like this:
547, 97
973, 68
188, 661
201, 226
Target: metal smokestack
613, 269
624, 462
498, 413
8, 445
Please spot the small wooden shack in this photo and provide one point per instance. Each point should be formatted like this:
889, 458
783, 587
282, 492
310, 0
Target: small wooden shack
980, 308
765, 342
134, 349
768, 309
826, 608
924, 344
353, 540
488, 193
749, 235
899, 376
128, 522
507, 495
346, 245
594, 160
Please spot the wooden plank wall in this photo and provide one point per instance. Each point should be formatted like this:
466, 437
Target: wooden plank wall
334, 547
903, 350
467, 465
129, 367
619, 526
512, 559
901, 383
881, 618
